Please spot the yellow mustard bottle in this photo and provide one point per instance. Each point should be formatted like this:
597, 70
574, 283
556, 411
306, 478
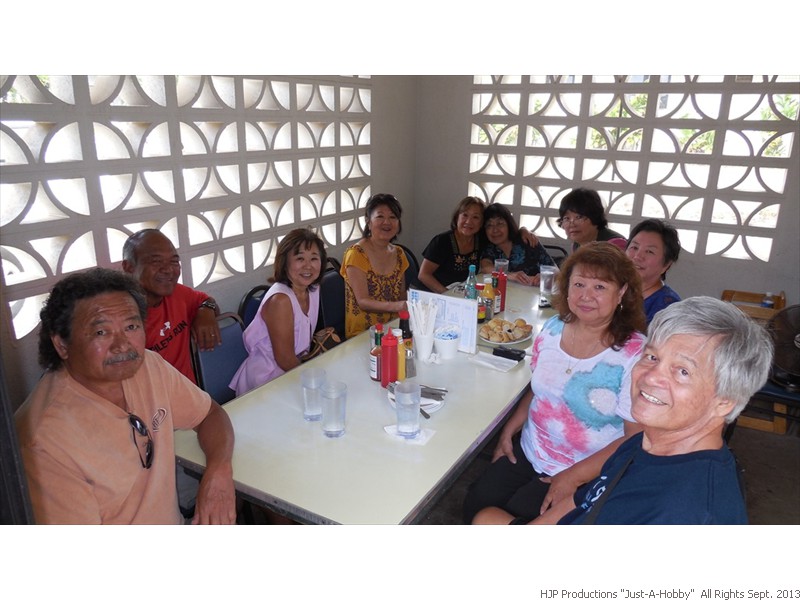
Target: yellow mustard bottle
401, 354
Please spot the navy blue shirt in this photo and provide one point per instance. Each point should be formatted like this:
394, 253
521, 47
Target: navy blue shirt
699, 488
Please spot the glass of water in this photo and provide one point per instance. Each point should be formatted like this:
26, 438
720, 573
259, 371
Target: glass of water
407, 397
334, 400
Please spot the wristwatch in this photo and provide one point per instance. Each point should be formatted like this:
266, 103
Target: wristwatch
208, 303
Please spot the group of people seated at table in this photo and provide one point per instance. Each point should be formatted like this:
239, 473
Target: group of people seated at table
601, 392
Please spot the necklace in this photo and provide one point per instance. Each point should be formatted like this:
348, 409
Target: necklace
569, 361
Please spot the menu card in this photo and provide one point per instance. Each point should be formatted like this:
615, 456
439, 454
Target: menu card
453, 311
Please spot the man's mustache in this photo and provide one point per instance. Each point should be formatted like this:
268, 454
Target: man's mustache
132, 355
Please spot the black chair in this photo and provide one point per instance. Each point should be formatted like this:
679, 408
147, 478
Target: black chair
412, 272
248, 307
331, 302
214, 369
557, 253
333, 264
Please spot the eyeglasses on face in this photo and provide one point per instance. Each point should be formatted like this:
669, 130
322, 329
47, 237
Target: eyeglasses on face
564, 221
138, 427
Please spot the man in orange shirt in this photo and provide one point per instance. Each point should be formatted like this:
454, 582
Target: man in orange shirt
96, 433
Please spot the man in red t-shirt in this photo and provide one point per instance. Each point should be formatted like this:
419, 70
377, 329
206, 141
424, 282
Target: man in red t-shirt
174, 311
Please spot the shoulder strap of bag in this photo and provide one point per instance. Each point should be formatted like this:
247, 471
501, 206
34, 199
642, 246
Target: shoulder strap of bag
595, 511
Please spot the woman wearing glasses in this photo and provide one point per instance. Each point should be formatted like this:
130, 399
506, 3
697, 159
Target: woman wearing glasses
583, 219
505, 241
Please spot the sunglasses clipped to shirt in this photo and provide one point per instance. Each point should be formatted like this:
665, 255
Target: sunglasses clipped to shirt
138, 427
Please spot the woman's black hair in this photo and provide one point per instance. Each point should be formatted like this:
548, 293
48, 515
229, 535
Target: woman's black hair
497, 210
669, 235
382, 200
587, 203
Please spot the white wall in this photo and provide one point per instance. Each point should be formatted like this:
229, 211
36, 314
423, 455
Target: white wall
443, 117
420, 153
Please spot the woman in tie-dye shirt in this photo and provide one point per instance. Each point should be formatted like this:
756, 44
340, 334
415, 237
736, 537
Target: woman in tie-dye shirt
577, 410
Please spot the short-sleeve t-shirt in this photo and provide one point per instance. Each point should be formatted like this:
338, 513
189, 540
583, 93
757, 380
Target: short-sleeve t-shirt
698, 488
169, 327
573, 415
82, 458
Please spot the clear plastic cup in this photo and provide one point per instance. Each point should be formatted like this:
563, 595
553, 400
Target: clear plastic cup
312, 380
407, 397
334, 401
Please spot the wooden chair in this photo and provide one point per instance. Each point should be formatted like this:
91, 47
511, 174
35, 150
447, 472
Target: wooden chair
750, 304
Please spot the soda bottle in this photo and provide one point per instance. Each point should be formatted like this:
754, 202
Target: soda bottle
388, 359
470, 289
375, 354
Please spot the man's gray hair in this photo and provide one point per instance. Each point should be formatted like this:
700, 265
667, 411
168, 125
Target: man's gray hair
743, 356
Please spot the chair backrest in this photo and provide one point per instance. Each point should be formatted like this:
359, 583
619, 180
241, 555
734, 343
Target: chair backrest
248, 306
557, 253
413, 268
215, 368
333, 264
331, 302
750, 303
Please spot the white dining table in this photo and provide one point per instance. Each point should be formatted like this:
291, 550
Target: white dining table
368, 476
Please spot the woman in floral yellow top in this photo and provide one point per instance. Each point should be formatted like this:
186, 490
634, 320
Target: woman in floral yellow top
374, 268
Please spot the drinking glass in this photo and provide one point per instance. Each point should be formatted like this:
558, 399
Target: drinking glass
406, 399
312, 380
334, 400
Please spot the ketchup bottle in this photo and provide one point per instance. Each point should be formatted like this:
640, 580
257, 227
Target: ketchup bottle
388, 359
502, 281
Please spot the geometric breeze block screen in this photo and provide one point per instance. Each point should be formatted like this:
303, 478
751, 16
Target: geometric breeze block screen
225, 166
710, 154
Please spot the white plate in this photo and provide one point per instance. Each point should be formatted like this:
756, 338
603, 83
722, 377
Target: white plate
429, 405
522, 339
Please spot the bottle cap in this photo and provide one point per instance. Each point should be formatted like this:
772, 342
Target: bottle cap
378, 326
398, 333
404, 314
472, 268
479, 286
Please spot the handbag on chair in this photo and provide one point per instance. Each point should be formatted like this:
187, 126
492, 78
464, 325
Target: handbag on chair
322, 341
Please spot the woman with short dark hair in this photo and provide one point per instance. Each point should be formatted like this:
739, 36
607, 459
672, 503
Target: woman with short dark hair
653, 248
505, 241
582, 217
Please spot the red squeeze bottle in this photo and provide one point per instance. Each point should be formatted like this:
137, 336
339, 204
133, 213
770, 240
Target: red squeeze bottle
388, 359
502, 281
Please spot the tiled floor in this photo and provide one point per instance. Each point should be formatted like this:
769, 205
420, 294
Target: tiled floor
771, 464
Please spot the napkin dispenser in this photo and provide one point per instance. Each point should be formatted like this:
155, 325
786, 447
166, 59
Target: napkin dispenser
510, 353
